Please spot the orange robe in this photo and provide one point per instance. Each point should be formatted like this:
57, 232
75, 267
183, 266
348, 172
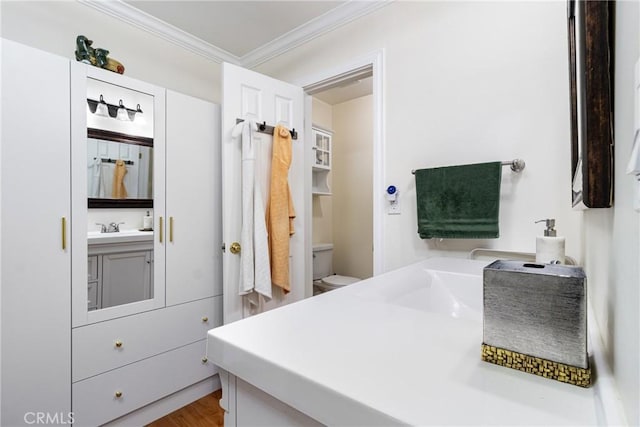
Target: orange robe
280, 212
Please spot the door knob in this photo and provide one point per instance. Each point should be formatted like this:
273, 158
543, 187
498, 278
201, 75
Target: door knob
235, 248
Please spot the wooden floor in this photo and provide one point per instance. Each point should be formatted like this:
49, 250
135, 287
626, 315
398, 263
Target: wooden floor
205, 412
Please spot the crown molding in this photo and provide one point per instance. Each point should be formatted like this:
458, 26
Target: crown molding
341, 15
157, 27
325, 23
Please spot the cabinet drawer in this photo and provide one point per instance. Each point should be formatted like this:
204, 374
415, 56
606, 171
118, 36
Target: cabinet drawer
100, 347
105, 397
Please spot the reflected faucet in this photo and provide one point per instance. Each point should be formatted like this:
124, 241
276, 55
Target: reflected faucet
114, 227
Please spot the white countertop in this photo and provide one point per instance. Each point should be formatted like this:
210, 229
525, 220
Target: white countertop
396, 349
123, 236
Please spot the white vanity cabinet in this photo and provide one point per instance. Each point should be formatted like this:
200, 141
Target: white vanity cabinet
119, 273
128, 355
36, 252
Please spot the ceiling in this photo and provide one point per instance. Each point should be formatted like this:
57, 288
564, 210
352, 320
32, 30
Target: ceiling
237, 27
242, 32
351, 90
245, 33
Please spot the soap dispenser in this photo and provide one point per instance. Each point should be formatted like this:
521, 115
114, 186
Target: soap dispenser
550, 247
147, 222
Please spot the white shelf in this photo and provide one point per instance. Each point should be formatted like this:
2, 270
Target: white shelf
320, 182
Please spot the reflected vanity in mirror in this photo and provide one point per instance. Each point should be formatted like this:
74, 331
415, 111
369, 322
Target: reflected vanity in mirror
591, 48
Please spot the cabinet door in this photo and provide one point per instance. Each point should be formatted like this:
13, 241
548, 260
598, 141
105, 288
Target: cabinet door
36, 268
126, 278
193, 254
322, 149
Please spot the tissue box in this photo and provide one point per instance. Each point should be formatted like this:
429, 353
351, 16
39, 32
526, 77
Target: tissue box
535, 319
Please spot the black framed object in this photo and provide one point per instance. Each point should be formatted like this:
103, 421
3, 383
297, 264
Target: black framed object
591, 49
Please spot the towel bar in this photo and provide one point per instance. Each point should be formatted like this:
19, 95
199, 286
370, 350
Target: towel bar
517, 165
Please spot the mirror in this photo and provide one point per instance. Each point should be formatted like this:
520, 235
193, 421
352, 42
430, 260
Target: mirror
120, 174
591, 49
104, 149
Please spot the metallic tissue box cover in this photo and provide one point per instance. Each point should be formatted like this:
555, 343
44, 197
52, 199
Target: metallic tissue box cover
536, 309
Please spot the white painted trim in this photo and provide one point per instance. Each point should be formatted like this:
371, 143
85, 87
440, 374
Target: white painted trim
376, 61
323, 24
129, 14
308, 195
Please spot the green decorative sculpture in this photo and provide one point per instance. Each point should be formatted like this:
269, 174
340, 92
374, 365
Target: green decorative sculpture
96, 56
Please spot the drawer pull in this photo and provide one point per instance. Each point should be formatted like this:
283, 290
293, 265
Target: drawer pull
118, 394
205, 319
118, 343
205, 360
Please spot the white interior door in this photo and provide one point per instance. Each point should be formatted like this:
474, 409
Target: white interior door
247, 94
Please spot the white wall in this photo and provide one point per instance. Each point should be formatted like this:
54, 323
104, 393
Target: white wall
465, 82
322, 206
352, 171
612, 236
481, 81
53, 26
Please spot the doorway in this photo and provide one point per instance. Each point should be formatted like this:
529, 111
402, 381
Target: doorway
347, 102
342, 211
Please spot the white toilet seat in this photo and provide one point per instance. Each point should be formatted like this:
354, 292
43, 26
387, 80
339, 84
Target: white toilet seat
337, 281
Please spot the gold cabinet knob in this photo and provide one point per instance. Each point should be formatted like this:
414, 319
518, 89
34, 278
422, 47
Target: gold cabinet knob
205, 319
235, 248
118, 343
118, 394
205, 360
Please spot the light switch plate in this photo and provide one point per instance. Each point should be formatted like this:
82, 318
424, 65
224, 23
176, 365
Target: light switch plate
393, 208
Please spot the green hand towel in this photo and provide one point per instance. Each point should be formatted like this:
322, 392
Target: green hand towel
459, 202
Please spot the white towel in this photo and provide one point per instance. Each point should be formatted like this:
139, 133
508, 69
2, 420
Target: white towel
255, 271
95, 177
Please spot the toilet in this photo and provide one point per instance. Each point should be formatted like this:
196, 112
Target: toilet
323, 278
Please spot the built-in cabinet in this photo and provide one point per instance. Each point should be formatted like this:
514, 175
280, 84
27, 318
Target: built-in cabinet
321, 162
60, 338
35, 223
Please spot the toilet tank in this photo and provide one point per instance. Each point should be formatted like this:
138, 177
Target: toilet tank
322, 260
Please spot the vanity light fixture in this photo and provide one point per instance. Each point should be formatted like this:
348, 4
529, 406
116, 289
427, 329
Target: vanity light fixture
120, 112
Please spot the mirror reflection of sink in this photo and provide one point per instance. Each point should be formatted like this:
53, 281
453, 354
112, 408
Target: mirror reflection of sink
97, 238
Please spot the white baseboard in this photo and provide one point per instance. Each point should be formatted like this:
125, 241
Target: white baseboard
166, 405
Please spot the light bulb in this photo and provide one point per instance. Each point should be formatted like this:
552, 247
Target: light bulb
122, 112
139, 116
101, 108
